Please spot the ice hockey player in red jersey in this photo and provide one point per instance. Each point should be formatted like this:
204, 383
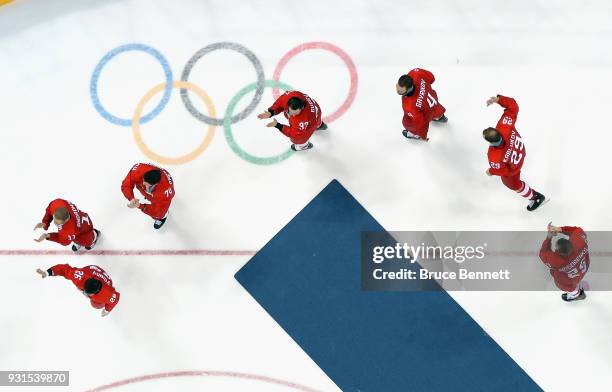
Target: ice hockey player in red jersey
304, 115
155, 185
567, 258
73, 226
419, 102
92, 281
507, 152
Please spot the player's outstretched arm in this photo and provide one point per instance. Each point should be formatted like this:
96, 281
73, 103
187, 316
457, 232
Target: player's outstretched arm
43, 274
64, 270
492, 100
43, 236
56, 237
511, 110
569, 230
552, 230
266, 114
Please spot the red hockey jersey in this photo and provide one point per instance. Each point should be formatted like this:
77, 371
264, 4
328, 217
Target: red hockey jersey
421, 106
507, 159
568, 271
306, 122
78, 224
108, 297
160, 195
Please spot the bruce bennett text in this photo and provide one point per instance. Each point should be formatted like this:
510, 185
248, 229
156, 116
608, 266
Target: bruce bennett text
424, 274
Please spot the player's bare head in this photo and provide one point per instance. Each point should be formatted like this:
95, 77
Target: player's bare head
404, 84
152, 177
491, 135
60, 216
295, 106
564, 247
92, 286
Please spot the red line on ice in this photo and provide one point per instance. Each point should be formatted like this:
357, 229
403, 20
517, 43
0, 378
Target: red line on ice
208, 373
129, 252
212, 252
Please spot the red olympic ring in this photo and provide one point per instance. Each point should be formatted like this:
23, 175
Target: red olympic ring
334, 49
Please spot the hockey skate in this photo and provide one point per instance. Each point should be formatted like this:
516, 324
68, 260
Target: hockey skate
442, 119
95, 240
322, 127
535, 201
76, 247
159, 222
302, 147
579, 297
410, 135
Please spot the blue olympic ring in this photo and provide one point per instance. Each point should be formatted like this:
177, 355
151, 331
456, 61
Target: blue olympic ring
93, 87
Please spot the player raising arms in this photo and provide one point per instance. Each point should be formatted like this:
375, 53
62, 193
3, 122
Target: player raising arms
92, 281
568, 261
419, 102
155, 185
73, 226
304, 115
507, 152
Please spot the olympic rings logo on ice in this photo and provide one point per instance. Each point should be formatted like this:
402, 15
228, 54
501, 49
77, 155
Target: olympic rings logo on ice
229, 118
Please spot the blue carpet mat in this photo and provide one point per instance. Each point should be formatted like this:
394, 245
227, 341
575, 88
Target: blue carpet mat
308, 279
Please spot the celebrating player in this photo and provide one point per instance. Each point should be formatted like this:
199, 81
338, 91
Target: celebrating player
304, 115
507, 152
420, 103
155, 185
92, 281
568, 261
73, 226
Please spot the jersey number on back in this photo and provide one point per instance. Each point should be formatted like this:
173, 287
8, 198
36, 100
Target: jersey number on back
517, 155
431, 100
580, 270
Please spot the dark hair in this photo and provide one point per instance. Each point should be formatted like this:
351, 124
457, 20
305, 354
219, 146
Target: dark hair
405, 81
296, 104
491, 135
564, 247
92, 286
152, 176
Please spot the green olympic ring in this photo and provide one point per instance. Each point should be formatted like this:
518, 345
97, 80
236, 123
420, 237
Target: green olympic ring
227, 126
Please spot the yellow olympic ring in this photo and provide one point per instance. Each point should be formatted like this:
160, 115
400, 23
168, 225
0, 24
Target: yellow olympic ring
184, 158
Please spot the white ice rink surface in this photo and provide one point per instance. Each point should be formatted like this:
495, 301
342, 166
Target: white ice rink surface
188, 313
